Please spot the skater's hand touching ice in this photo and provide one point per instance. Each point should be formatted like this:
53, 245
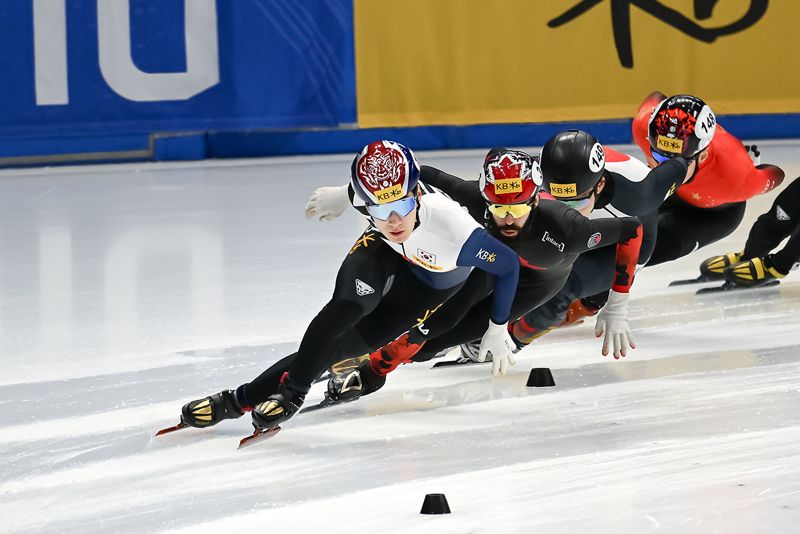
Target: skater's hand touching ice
497, 341
613, 321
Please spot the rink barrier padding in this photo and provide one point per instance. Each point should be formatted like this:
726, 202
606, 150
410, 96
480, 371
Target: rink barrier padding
144, 80
187, 146
280, 143
172, 146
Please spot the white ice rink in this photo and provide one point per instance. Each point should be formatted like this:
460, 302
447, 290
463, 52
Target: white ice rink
128, 290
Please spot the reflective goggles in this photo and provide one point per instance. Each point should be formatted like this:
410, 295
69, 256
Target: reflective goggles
658, 157
401, 207
581, 202
515, 210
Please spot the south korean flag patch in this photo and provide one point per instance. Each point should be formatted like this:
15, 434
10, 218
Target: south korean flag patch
363, 289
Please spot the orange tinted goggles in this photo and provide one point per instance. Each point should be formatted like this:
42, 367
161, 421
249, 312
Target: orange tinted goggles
515, 210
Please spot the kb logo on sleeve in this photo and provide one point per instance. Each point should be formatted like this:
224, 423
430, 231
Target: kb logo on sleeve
486, 256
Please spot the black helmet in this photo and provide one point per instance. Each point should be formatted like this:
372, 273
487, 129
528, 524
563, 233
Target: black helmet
572, 163
681, 125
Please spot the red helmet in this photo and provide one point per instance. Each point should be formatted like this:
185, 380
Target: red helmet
681, 125
509, 177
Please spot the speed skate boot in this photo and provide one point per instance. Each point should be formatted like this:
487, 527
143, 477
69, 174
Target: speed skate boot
354, 383
469, 352
754, 272
577, 311
279, 407
714, 267
210, 410
370, 375
336, 368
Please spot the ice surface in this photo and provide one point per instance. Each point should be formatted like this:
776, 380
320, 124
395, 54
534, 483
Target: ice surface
127, 290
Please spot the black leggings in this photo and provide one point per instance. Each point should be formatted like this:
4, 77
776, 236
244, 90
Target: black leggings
407, 303
683, 228
592, 273
782, 219
533, 290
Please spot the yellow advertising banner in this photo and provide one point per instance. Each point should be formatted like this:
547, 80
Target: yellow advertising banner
426, 62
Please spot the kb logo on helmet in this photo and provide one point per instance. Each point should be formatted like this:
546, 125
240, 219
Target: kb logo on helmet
563, 190
670, 145
508, 185
389, 194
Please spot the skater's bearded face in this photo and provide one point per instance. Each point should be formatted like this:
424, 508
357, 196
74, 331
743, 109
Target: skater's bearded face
510, 226
509, 223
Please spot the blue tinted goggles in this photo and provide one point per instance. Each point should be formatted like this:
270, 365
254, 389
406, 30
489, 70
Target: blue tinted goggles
401, 207
658, 157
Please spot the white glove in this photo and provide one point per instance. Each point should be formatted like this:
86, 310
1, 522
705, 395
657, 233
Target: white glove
497, 341
754, 153
613, 318
327, 202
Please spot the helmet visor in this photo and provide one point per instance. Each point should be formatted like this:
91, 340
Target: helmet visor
515, 210
401, 207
